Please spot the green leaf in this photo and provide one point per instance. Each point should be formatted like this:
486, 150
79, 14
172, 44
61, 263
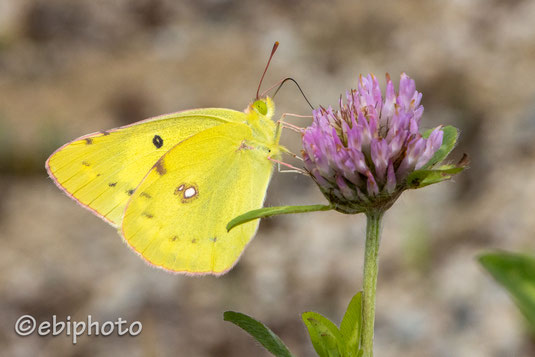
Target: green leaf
449, 140
352, 324
422, 178
273, 211
260, 332
325, 336
515, 272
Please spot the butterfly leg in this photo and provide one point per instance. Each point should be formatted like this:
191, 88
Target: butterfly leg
282, 124
293, 168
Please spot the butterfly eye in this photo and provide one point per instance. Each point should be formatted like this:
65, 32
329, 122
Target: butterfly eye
260, 106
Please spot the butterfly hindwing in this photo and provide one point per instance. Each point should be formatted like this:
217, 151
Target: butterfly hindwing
176, 218
102, 170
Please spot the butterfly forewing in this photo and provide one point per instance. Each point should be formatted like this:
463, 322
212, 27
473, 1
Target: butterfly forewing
102, 170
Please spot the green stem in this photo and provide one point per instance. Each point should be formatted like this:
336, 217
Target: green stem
373, 238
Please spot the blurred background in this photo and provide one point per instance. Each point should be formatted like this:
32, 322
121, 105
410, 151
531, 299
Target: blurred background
68, 68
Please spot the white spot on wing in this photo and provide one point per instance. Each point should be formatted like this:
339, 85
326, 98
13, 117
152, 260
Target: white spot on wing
190, 192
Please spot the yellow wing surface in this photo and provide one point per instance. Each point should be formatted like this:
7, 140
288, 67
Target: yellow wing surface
176, 217
102, 170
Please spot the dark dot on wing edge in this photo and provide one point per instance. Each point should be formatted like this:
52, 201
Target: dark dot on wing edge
160, 168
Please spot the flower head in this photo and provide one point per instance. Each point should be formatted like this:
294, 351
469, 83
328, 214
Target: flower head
362, 154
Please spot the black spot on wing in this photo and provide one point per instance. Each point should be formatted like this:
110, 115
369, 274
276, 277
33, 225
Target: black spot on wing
85, 163
104, 132
145, 194
157, 141
88, 141
130, 192
194, 240
112, 184
213, 239
148, 215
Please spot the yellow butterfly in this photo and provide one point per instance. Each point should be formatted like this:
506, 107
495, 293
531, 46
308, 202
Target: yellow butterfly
170, 184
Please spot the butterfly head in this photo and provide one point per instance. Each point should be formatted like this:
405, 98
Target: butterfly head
262, 107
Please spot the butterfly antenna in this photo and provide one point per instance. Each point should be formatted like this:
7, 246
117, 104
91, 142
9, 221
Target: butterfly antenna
298, 86
275, 46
